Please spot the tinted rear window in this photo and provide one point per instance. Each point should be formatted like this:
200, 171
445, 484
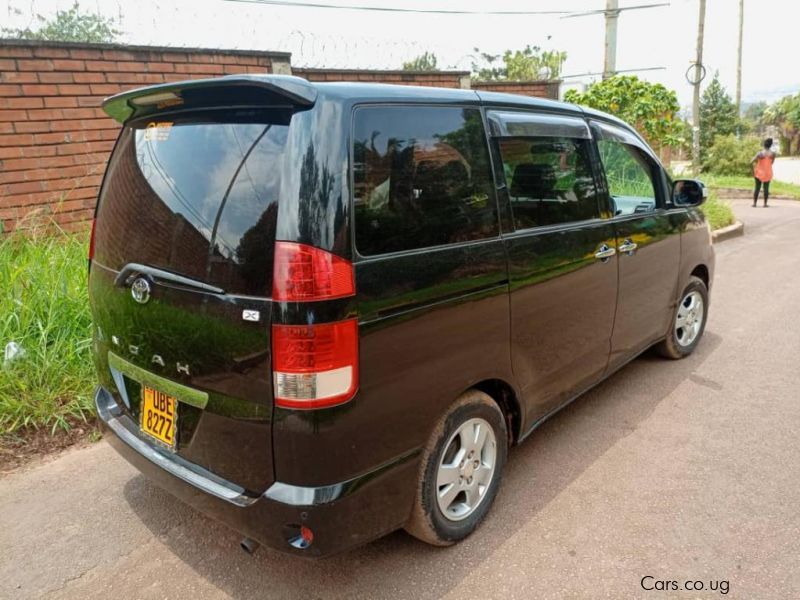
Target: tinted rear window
196, 198
421, 178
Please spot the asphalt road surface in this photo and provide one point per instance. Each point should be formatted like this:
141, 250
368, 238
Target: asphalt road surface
787, 169
669, 471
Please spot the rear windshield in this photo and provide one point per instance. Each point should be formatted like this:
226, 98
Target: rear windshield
197, 198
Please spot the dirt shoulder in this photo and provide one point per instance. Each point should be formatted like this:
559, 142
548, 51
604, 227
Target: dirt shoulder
31, 447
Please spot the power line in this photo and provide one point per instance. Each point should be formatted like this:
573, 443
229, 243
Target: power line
434, 11
564, 14
603, 11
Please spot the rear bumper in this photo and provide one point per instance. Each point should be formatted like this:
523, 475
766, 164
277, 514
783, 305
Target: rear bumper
341, 516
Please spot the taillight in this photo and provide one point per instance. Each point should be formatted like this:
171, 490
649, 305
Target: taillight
315, 366
91, 240
303, 273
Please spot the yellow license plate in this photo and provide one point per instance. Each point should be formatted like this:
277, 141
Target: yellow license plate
159, 415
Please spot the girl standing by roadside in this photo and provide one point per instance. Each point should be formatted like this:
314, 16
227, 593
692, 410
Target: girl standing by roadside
762, 170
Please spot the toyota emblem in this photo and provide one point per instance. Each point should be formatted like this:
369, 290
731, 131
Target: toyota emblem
140, 290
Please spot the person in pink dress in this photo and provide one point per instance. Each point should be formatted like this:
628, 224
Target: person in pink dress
762, 171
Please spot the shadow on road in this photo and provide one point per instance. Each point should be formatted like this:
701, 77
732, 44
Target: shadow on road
397, 565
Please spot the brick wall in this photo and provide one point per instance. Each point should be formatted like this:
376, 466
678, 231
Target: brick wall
537, 89
55, 139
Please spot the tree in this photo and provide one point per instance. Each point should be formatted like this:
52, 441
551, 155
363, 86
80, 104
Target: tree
718, 115
785, 115
70, 25
649, 107
731, 155
424, 62
755, 111
752, 118
529, 64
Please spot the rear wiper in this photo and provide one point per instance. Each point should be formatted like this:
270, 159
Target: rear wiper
131, 271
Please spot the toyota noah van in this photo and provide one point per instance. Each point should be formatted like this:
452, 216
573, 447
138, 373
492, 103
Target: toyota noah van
324, 312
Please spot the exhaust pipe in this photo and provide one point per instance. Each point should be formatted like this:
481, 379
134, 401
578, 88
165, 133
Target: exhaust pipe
249, 545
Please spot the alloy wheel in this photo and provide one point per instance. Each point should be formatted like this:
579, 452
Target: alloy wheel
466, 469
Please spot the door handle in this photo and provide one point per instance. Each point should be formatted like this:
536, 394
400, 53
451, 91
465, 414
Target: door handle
605, 252
628, 247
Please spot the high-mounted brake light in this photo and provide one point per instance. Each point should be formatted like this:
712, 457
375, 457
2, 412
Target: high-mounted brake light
315, 366
303, 273
157, 98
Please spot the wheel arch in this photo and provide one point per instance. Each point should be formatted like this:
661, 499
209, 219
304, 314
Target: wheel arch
507, 399
701, 271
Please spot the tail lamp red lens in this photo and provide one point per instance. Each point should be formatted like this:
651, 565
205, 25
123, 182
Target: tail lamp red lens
91, 240
303, 274
315, 366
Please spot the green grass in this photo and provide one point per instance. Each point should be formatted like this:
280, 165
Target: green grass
44, 308
718, 212
739, 182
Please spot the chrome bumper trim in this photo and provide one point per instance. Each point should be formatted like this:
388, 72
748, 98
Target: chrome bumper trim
293, 495
110, 413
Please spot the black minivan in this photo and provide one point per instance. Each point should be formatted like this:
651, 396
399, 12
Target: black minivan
324, 312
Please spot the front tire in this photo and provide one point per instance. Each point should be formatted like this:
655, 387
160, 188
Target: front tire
688, 322
460, 471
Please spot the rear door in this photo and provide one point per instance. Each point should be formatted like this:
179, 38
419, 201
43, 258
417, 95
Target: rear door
562, 266
431, 272
181, 280
648, 241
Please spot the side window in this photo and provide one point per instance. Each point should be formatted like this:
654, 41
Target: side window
628, 173
422, 178
549, 180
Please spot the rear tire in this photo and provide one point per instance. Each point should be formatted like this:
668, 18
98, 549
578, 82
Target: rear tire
688, 322
460, 471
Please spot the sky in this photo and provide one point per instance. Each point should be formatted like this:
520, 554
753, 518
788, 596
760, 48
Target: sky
662, 37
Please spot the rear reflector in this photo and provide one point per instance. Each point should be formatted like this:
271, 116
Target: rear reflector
315, 366
303, 273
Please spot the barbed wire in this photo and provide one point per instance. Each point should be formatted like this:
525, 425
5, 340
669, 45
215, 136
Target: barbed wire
245, 26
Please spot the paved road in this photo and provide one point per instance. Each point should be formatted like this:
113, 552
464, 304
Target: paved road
676, 470
787, 169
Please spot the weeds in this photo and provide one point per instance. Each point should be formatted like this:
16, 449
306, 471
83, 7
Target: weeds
44, 309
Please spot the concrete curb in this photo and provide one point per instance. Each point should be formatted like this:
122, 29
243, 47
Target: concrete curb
726, 233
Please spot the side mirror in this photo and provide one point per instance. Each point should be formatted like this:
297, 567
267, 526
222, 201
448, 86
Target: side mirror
689, 192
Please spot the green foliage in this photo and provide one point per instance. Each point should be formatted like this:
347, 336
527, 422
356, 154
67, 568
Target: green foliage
70, 25
751, 121
785, 115
649, 107
529, 64
533, 63
718, 116
731, 156
424, 62
718, 212
44, 308
755, 111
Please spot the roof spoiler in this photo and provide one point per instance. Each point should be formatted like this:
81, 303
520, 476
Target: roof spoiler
230, 91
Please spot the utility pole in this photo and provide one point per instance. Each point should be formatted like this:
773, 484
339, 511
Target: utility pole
698, 77
612, 14
739, 60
